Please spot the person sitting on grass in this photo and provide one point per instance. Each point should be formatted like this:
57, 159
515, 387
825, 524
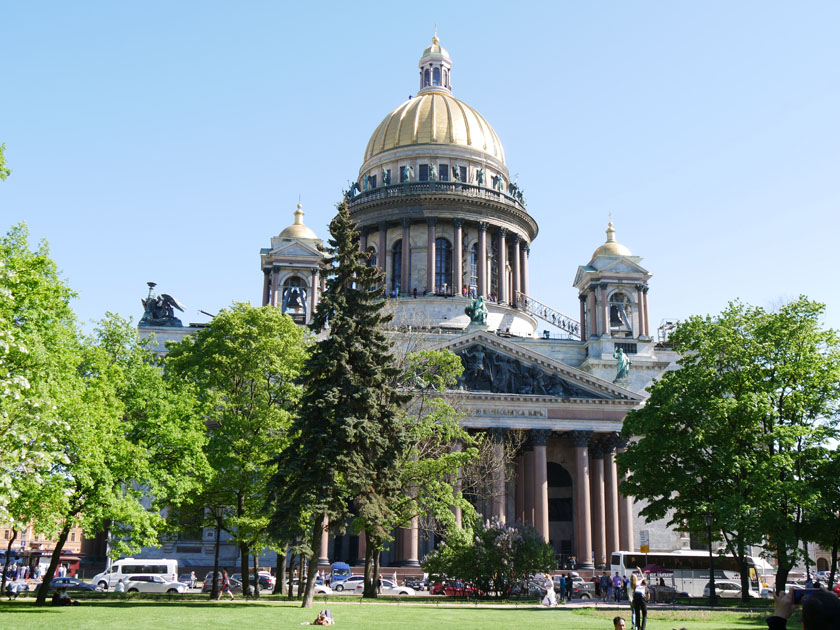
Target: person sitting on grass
120, 587
324, 618
62, 598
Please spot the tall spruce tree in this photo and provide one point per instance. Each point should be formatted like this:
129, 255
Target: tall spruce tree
349, 432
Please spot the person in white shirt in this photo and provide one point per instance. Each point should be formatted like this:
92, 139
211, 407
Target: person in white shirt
640, 605
120, 587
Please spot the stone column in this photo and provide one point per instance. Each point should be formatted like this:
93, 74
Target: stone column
582, 299
526, 251
266, 286
275, 281
499, 500
517, 271
482, 259
626, 535
382, 259
313, 296
458, 257
502, 267
430, 255
540, 439
594, 316
529, 483
360, 556
405, 280
583, 514
324, 555
363, 235
610, 496
520, 488
605, 310
646, 322
411, 545
599, 537
639, 329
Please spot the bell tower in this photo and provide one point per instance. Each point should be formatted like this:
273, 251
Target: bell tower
612, 289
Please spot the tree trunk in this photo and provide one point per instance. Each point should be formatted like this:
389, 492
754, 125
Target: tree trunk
256, 574
377, 556
244, 552
8, 557
311, 574
291, 590
280, 572
56, 556
370, 575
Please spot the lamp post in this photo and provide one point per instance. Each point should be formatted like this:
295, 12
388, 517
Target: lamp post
712, 591
218, 513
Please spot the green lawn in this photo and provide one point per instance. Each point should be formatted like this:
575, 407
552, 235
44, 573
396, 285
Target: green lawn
111, 614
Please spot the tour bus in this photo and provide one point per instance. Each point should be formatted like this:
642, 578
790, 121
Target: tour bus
120, 569
687, 570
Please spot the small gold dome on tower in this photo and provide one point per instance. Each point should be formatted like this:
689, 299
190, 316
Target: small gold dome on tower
298, 229
611, 247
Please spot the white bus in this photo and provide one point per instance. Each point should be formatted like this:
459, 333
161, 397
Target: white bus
167, 569
690, 569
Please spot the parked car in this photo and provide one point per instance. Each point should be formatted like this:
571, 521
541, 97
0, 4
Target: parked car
724, 588
152, 584
71, 584
348, 584
388, 588
265, 582
235, 585
418, 583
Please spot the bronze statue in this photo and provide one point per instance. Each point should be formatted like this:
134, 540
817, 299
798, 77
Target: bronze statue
479, 176
477, 310
159, 310
622, 366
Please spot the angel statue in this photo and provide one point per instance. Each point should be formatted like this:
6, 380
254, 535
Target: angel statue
622, 365
159, 310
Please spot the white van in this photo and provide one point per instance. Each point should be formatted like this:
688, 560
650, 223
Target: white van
120, 569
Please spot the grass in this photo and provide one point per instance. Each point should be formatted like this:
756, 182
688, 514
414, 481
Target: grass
134, 614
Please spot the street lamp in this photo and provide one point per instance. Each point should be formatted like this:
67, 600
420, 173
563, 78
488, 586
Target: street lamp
218, 513
712, 591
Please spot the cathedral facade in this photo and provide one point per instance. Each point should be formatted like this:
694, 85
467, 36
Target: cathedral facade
439, 215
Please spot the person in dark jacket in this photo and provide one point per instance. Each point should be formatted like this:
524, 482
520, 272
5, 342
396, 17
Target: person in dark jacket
820, 611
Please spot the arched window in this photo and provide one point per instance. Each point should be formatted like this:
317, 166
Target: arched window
474, 270
443, 266
436, 76
621, 320
371, 256
426, 82
294, 298
396, 266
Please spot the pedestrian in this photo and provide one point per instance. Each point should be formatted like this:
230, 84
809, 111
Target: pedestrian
414, 293
561, 583
120, 587
597, 582
618, 583
569, 586
379, 584
225, 587
550, 598
640, 605
192, 579
605, 586
618, 623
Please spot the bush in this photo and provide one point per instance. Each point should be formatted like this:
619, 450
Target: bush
492, 558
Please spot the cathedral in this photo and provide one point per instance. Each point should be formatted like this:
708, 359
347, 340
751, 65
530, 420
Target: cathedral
440, 216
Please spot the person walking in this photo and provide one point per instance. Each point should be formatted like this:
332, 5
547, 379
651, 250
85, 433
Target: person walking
640, 605
550, 599
618, 583
569, 587
192, 579
225, 586
605, 586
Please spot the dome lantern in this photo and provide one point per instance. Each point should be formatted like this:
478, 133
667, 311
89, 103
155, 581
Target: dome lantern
435, 67
611, 247
298, 229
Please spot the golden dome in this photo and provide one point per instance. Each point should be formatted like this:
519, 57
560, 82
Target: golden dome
611, 247
435, 117
435, 49
298, 229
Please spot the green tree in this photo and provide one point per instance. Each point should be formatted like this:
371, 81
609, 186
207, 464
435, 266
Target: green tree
731, 431
4, 171
349, 432
492, 557
245, 368
128, 439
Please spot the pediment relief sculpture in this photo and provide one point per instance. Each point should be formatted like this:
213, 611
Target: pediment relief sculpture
488, 371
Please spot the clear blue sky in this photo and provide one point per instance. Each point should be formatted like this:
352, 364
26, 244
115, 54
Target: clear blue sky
168, 141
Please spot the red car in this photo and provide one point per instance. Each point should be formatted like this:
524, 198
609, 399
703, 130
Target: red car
454, 588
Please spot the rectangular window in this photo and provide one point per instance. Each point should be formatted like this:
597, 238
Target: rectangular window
373, 181
6, 534
443, 172
463, 170
72, 536
424, 172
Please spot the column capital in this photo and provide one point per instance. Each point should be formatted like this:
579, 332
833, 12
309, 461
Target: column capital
640, 287
382, 225
364, 231
539, 437
596, 449
583, 297
502, 231
482, 226
645, 290
526, 248
458, 222
406, 222
431, 220
516, 238
612, 441
603, 286
580, 438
